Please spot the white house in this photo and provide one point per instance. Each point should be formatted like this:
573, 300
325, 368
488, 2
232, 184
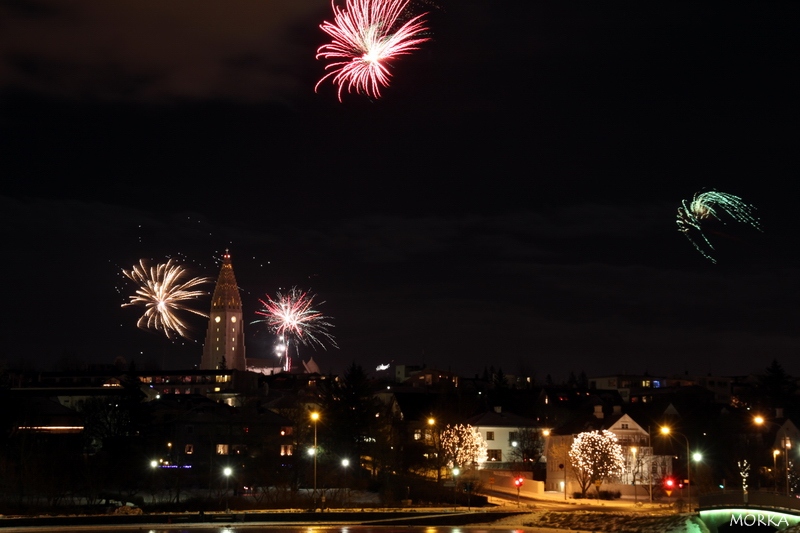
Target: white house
504, 434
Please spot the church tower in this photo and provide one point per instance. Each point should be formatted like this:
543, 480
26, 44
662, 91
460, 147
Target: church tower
224, 347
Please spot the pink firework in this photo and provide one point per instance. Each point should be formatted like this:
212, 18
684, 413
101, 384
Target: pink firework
366, 36
292, 316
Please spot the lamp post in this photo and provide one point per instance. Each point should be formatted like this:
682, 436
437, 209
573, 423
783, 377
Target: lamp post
435, 446
667, 431
775, 454
786, 444
566, 465
153, 466
634, 469
650, 466
315, 418
345, 464
227, 471
456, 471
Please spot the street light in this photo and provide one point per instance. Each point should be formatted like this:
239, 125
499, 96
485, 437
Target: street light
667, 431
228, 471
635, 465
786, 443
775, 454
650, 464
315, 418
345, 464
456, 471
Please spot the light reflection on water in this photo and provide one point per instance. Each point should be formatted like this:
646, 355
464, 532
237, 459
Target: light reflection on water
322, 529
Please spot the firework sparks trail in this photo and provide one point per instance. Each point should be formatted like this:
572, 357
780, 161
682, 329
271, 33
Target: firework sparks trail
712, 205
366, 35
292, 316
163, 293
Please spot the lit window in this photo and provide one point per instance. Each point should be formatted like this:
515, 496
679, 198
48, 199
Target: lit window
494, 455
286, 449
222, 449
417, 434
189, 450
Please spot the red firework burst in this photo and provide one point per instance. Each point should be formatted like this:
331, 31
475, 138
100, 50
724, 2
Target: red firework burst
366, 35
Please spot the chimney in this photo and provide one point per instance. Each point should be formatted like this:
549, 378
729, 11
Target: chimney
598, 411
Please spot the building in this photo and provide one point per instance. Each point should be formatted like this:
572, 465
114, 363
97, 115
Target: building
512, 441
642, 466
627, 384
224, 347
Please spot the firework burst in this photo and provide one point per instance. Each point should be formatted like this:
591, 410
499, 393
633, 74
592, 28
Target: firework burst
366, 35
712, 205
292, 316
164, 291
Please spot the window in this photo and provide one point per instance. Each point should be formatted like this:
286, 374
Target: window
624, 425
189, 449
286, 449
222, 449
494, 455
490, 435
417, 434
513, 435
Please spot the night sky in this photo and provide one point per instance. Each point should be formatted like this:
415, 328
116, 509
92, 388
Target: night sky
510, 200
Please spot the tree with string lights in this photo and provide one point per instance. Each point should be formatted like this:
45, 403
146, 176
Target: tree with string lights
594, 457
462, 446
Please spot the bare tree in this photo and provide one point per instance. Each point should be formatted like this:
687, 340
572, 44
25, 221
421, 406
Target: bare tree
527, 447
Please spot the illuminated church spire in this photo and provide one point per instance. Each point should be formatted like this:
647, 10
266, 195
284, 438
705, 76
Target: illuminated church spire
224, 347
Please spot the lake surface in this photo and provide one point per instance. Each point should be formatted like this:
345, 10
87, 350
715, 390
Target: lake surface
287, 528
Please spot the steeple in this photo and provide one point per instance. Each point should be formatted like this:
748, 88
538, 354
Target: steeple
224, 347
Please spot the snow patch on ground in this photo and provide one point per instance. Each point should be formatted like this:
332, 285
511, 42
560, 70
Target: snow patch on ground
597, 521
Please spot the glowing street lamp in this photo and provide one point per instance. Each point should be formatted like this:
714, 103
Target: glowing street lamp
667, 431
775, 454
456, 472
434, 445
786, 444
634, 449
227, 471
315, 418
345, 464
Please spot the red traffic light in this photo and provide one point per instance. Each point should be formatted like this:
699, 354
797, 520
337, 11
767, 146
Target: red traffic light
519, 481
669, 483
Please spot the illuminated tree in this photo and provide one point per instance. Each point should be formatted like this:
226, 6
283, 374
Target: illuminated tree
594, 457
744, 471
463, 446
